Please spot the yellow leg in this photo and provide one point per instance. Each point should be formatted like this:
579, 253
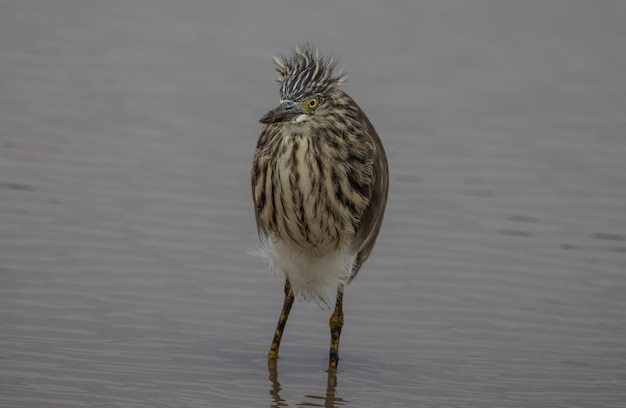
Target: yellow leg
282, 320
336, 323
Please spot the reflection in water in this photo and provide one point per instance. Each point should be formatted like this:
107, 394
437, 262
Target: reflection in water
277, 400
329, 398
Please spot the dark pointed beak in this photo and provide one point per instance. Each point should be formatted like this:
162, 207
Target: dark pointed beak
284, 112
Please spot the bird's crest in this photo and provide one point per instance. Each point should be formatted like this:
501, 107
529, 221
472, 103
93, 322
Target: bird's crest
306, 73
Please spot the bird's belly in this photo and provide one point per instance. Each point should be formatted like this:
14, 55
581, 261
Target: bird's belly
311, 274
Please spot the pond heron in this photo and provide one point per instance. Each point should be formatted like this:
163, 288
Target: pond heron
319, 184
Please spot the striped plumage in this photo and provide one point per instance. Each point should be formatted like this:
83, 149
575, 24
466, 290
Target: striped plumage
319, 181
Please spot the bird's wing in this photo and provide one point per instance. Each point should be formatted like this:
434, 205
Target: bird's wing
257, 181
372, 217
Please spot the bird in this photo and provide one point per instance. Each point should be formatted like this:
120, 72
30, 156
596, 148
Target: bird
320, 180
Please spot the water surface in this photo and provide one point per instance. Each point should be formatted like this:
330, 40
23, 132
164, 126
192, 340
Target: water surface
127, 131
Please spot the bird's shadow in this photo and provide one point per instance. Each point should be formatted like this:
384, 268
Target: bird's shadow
328, 400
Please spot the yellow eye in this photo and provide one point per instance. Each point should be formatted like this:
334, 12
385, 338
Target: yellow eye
311, 103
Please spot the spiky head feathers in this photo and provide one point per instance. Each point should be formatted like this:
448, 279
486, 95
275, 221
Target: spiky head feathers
305, 74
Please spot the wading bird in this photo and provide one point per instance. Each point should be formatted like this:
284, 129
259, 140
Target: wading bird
319, 185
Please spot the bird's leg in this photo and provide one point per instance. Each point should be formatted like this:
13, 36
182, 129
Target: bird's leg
282, 320
336, 323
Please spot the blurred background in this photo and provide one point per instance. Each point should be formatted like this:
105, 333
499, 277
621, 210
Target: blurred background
127, 129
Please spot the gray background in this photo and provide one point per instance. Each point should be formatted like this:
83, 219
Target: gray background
126, 135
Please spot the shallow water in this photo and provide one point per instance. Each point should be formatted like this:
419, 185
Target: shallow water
127, 130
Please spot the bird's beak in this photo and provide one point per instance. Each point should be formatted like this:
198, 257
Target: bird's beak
284, 112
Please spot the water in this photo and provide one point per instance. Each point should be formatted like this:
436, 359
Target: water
127, 130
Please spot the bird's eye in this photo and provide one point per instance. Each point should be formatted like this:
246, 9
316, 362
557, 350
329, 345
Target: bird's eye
311, 103
281, 99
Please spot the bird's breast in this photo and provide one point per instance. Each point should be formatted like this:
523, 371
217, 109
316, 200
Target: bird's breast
304, 194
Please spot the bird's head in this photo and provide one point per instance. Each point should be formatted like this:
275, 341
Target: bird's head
308, 84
